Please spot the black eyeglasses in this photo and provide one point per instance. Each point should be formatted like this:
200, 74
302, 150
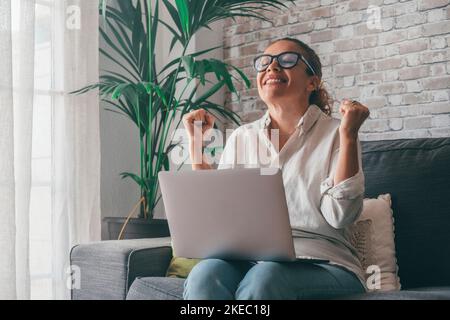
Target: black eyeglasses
286, 60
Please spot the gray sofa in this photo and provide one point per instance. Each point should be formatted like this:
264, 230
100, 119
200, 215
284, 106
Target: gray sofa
416, 173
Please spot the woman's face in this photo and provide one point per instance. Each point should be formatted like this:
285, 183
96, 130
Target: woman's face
292, 86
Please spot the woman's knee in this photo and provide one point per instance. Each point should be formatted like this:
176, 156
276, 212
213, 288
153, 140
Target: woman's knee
208, 267
204, 271
263, 282
209, 280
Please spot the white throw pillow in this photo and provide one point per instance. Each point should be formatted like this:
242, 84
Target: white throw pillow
373, 237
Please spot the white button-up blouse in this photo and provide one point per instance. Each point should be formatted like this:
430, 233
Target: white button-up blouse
319, 211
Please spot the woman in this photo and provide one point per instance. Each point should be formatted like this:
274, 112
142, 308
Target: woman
320, 159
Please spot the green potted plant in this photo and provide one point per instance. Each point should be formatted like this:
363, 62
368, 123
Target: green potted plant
156, 99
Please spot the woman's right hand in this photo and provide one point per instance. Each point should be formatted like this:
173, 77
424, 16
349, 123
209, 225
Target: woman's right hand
201, 118
197, 117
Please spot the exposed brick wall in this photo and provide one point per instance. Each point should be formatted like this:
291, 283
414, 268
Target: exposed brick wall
399, 66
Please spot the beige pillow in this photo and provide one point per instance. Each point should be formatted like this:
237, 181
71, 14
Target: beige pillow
373, 237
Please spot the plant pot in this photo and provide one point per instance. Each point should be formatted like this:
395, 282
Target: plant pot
137, 228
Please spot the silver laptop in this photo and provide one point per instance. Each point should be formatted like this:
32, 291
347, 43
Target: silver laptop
236, 214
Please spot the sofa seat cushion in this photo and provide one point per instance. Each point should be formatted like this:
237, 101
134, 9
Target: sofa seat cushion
156, 288
160, 288
435, 293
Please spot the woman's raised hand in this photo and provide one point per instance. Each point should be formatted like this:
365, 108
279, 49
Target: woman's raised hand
353, 116
204, 121
199, 118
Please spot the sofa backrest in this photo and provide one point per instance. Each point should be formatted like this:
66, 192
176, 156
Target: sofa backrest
417, 175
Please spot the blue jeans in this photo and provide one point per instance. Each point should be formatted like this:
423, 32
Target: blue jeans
217, 279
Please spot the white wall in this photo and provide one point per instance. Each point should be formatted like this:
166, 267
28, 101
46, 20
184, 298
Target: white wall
119, 152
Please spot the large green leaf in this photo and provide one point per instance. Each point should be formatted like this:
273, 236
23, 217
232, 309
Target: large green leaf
160, 92
175, 18
211, 91
119, 90
189, 65
136, 178
189, 16
102, 5
184, 14
200, 68
137, 31
175, 61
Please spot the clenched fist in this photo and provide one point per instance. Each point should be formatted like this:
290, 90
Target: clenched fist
198, 118
353, 116
197, 123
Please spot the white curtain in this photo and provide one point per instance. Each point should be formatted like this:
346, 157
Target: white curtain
7, 184
16, 114
75, 145
76, 134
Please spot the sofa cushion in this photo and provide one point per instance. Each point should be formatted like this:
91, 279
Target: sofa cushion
416, 173
372, 235
107, 268
442, 293
180, 267
156, 288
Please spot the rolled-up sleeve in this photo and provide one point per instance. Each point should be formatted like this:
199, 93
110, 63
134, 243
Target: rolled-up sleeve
341, 204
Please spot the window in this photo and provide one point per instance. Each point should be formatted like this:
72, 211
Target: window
41, 190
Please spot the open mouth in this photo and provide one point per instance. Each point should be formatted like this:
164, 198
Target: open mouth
271, 81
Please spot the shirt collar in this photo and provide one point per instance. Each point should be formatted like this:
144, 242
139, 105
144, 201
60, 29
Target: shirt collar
306, 122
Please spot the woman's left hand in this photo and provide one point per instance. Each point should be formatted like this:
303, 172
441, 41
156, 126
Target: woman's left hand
353, 116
